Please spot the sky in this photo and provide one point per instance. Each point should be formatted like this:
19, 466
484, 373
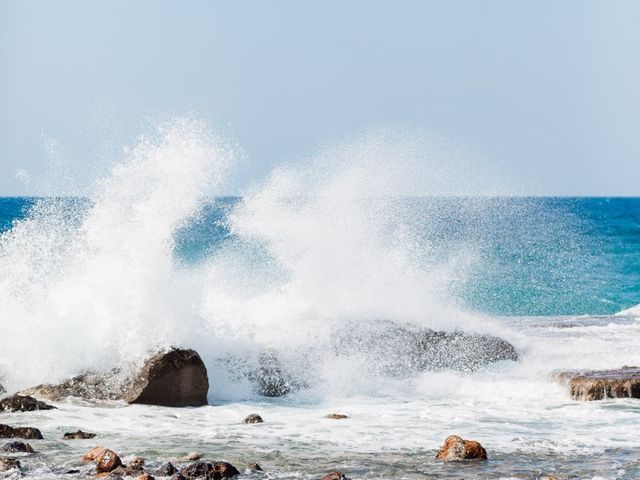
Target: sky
548, 90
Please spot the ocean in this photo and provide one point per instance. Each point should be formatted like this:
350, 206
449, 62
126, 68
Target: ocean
150, 259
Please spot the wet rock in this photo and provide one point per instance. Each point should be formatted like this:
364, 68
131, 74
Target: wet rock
222, 470
79, 435
335, 476
166, 470
179, 476
136, 463
29, 433
197, 469
93, 454
336, 416
397, 350
215, 470
254, 467
107, 461
145, 476
176, 378
18, 447
455, 448
601, 384
22, 403
72, 471
110, 476
253, 418
7, 463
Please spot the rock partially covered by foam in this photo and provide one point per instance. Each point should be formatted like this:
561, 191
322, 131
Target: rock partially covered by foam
7, 463
177, 378
22, 403
456, 448
601, 384
335, 476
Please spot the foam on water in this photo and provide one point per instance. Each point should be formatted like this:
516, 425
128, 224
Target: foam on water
96, 282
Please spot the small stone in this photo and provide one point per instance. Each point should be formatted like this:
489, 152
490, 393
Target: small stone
23, 403
79, 435
190, 457
254, 467
253, 418
136, 463
455, 448
30, 433
18, 447
223, 470
107, 461
335, 476
144, 476
7, 463
337, 416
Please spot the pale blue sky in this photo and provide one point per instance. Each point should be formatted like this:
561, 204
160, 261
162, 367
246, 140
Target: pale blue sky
549, 88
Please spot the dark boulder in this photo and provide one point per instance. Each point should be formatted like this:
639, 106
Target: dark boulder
253, 418
18, 447
79, 435
31, 433
455, 448
7, 463
22, 403
601, 384
215, 470
176, 378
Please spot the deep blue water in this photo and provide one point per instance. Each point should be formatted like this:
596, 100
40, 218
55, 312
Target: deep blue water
533, 256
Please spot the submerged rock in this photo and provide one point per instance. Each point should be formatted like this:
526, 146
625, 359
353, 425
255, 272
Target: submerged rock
455, 448
336, 416
30, 433
177, 378
335, 476
79, 435
601, 384
254, 467
18, 447
7, 463
22, 403
253, 418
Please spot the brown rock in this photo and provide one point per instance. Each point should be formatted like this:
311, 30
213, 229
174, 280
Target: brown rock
93, 454
22, 403
221, 470
253, 418
107, 461
601, 384
79, 435
337, 416
455, 448
7, 463
136, 463
335, 476
31, 433
145, 476
16, 447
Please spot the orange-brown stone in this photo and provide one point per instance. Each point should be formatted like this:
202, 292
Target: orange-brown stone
456, 448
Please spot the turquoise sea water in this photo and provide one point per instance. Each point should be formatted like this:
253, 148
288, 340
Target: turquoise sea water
531, 256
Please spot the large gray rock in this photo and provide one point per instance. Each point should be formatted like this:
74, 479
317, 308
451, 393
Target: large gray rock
601, 384
177, 378
387, 349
